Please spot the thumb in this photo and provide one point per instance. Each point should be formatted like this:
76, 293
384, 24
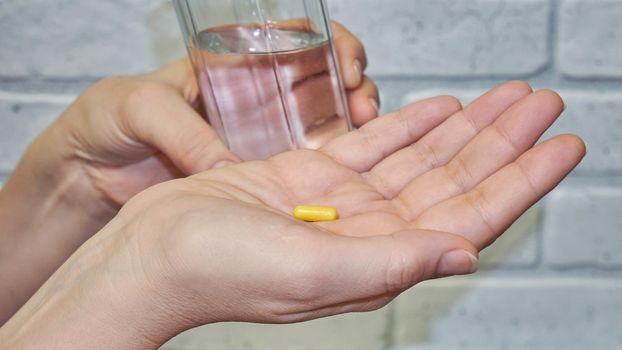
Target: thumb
374, 267
163, 119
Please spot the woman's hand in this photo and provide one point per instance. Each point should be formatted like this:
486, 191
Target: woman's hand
120, 137
126, 134
419, 192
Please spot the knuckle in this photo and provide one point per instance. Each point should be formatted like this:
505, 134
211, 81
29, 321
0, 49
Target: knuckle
477, 200
459, 173
402, 271
427, 155
112, 83
140, 96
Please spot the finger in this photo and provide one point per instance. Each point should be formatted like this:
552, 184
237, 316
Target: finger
180, 76
504, 141
441, 144
363, 148
354, 269
351, 56
160, 117
486, 211
364, 102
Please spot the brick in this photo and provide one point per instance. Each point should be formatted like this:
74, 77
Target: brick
345, 332
73, 38
103, 38
22, 118
583, 227
596, 117
590, 32
510, 313
449, 38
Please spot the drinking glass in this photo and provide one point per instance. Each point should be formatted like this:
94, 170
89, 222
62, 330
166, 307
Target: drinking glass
267, 72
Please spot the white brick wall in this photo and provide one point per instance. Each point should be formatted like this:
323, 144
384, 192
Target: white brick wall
584, 227
510, 313
597, 115
450, 38
76, 39
589, 38
22, 117
554, 281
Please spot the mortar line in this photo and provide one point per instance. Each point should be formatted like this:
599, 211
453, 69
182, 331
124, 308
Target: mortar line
38, 97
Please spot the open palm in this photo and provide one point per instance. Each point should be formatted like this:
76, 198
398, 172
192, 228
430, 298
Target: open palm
470, 172
419, 192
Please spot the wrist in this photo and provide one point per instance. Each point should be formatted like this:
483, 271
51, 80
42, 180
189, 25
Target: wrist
44, 218
49, 183
98, 299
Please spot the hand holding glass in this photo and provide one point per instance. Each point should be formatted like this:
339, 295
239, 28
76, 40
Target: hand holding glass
267, 72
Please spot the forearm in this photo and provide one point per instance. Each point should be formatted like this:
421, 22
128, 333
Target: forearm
44, 218
94, 301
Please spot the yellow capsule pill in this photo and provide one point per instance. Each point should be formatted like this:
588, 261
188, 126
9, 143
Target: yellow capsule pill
314, 214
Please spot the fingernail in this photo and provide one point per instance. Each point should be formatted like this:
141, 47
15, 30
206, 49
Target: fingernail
457, 262
357, 68
374, 104
223, 163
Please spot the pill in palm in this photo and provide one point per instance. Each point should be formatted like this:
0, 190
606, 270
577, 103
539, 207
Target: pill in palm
315, 213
